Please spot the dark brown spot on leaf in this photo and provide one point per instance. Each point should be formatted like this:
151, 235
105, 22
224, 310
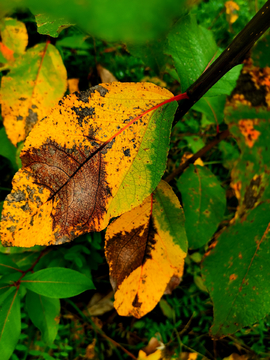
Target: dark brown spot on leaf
30, 121
127, 251
77, 185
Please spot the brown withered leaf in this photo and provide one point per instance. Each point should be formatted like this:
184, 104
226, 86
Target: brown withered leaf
105, 75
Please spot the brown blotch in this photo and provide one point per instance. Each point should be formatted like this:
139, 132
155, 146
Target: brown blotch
136, 302
233, 277
76, 180
85, 95
240, 256
125, 252
30, 121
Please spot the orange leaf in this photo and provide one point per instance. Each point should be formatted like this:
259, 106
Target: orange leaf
79, 163
145, 249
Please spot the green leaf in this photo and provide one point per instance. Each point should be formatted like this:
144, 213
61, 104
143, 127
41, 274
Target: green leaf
10, 324
226, 84
151, 52
57, 282
7, 149
7, 266
192, 47
167, 310
261, 52
51, 25
212, 107
195, 143
44, 314
74, 42
237, 273
204, 204
250, 179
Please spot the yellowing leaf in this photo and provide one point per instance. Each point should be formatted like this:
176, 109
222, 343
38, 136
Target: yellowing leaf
89, 160
145, 248
73, 85
35, 83
14, 36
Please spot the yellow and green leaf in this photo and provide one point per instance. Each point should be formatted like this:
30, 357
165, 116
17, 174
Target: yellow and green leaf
145, 249
35, 83
92, 158
14, 40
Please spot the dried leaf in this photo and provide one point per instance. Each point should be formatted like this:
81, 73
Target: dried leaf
99, 304
152, 346
90, 350
80, 162
145, 248
35, 84
105, 75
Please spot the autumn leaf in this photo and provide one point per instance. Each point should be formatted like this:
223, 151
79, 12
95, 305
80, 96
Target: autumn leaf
35, 83
89, 160
14, 39
145, 249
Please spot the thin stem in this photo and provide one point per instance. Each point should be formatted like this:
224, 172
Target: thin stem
221, 136
233, 55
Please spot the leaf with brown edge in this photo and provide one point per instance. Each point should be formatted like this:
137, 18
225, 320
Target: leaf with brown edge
145, 249
92, 158
35, 83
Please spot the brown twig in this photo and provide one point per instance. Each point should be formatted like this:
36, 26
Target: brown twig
220, 136
42, 253
233, 55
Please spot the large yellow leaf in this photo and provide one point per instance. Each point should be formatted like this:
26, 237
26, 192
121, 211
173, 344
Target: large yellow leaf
89, 160
145, 249
35, 83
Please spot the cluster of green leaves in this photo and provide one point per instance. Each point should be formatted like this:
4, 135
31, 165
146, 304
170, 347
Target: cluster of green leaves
66, 271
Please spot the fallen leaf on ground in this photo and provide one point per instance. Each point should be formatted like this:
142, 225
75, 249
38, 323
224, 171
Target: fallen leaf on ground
105, 75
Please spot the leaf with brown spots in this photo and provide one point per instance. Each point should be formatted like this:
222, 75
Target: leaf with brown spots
145, 249
92, 158
250, 178
35, 83
14, 40
237, 273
